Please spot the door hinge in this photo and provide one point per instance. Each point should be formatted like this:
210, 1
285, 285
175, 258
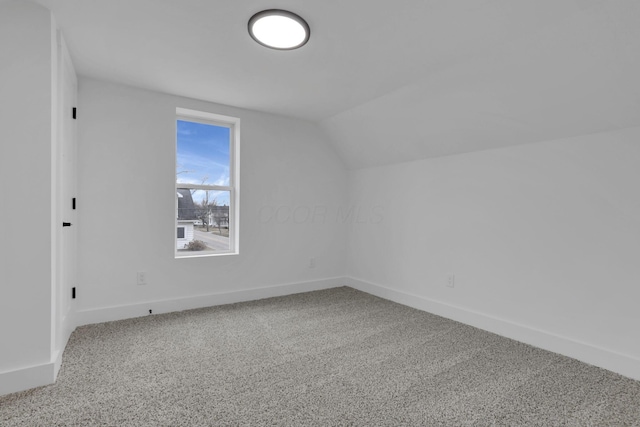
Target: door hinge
66, 224
74, 113
73, 203
73, 293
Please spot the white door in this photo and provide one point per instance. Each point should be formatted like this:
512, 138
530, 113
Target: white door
67, 204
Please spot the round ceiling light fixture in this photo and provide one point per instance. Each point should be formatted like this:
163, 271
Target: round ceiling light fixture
279, 29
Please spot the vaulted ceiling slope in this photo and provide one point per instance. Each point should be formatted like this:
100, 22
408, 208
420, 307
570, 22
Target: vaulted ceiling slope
388, 81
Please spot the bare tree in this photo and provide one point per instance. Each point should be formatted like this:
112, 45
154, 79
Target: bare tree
202, 208
202, 213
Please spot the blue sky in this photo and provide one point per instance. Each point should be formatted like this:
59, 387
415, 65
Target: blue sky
203, 155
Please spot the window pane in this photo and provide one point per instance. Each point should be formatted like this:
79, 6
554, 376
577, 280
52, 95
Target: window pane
202, 153
206, 213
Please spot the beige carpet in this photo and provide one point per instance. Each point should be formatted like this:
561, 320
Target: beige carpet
327, 358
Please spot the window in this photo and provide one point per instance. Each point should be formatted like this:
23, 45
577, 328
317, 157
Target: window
206, 193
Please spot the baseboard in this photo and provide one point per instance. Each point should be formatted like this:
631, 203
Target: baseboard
108, 314
26, 378
623, 364
68, 326
37, 375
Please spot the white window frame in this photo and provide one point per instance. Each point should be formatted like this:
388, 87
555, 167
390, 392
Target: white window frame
233, 123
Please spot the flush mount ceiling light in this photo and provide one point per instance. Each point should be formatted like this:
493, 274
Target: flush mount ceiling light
279, 29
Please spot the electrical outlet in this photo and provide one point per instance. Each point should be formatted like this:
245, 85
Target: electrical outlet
312, 262
451, 280
142, 278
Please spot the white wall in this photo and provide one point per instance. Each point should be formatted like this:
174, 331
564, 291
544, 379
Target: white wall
543, 239
126, 207
27, 49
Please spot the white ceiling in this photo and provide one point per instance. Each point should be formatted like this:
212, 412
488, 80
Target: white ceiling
389, 81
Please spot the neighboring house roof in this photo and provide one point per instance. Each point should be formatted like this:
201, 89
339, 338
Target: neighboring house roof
186, 207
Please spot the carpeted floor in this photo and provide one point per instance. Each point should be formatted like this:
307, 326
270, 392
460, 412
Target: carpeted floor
326, 358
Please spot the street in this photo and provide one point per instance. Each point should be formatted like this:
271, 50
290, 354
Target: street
214, 241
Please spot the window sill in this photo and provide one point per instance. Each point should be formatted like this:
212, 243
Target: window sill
203, 254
